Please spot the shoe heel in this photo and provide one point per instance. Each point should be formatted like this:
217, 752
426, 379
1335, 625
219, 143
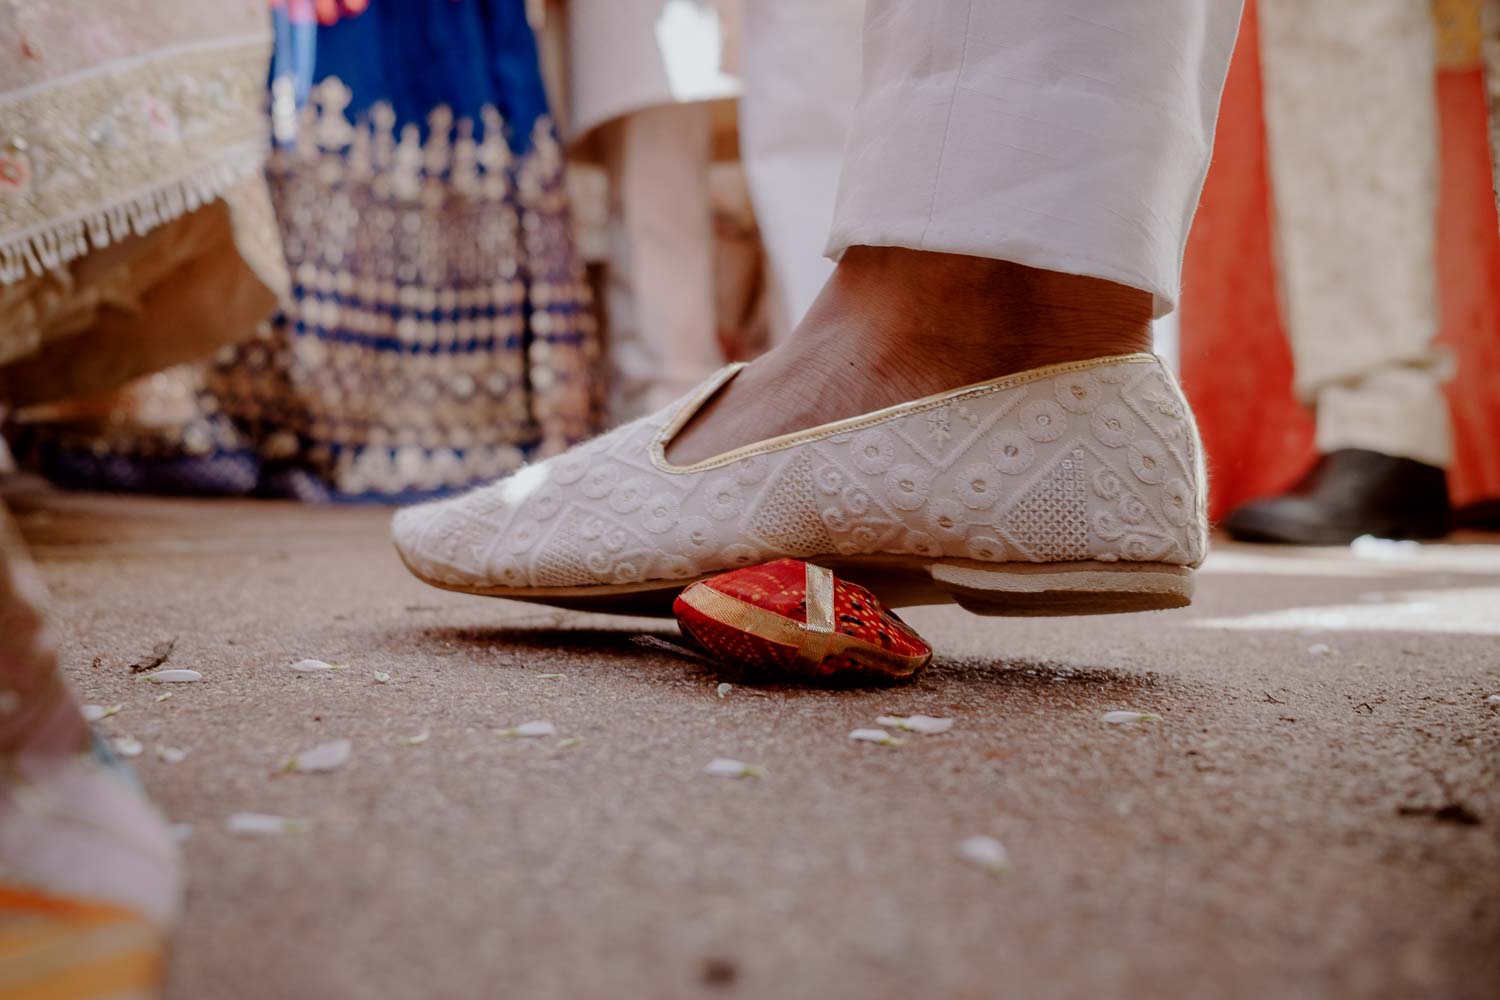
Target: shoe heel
1077, 588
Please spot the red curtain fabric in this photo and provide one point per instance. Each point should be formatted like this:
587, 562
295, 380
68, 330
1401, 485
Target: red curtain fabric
1236, 364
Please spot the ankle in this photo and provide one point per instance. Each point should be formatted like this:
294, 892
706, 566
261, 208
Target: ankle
920, 314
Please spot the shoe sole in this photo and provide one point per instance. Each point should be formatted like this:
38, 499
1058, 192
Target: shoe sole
1010, 589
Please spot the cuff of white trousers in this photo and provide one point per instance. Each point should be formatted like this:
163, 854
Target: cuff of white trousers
1400, 412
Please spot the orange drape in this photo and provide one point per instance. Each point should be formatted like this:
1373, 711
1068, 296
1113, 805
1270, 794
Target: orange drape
1236, 363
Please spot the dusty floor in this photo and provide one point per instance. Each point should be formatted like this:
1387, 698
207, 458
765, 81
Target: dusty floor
1250, 844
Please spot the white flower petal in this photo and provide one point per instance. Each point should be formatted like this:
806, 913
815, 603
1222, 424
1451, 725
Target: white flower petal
723, 689
171, 755
414, 741
93, 713
264, 824
1371, 547
535, 728
1493, 699
985, 852
874, 736
927, 725
163, 696
381, 677
127, 746
174, 677
1123, 718
726, 767
323, 757
312, 667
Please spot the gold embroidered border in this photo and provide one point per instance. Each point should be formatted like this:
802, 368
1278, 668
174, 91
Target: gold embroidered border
94, 157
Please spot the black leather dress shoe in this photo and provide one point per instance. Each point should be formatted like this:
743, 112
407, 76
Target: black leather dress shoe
1350, 492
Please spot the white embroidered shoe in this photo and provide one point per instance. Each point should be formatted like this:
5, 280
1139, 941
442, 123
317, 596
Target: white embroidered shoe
1071, 489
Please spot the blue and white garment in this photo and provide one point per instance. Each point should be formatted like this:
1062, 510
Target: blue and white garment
439, 331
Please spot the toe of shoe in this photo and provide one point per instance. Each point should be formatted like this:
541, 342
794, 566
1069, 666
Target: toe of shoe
408, 528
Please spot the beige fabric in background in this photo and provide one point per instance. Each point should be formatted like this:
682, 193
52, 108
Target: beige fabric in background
640, 80
1351, 121
659, 285
626, 55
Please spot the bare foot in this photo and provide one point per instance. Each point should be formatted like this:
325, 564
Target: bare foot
893, 325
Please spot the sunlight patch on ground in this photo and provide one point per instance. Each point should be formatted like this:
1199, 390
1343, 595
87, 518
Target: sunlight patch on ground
1341, 560
1465, 610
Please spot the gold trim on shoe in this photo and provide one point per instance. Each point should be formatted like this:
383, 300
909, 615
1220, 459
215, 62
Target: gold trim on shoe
690, 409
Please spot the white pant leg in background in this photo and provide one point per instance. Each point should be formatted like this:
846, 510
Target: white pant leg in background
1351, 120
659, 295
1069, 135
801, 77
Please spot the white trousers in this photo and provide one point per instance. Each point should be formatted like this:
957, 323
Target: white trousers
1351, 120
1069, 135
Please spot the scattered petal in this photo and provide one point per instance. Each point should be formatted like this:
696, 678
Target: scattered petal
381, 677
127, 746
725, 767
174, 677
414, 741
1493, 699
264, 824
549, 677
924, 724
1320, 649
313, 667
535, 728
1371, 547
171, 755
571, 741
880, 736
93, 713
985, 852
1123, 718
181, 832
323, 757
723, 689
163, 697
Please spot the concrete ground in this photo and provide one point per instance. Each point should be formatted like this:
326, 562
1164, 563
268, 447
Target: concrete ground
1317, 814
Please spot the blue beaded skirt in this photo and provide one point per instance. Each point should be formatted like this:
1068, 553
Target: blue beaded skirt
439, 331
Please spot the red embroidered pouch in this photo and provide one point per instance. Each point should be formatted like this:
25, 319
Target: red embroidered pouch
791, 617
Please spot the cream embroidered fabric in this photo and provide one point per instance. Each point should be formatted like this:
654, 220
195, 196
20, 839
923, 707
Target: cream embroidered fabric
118, 117
1092, 461
135, 228
1352, 130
